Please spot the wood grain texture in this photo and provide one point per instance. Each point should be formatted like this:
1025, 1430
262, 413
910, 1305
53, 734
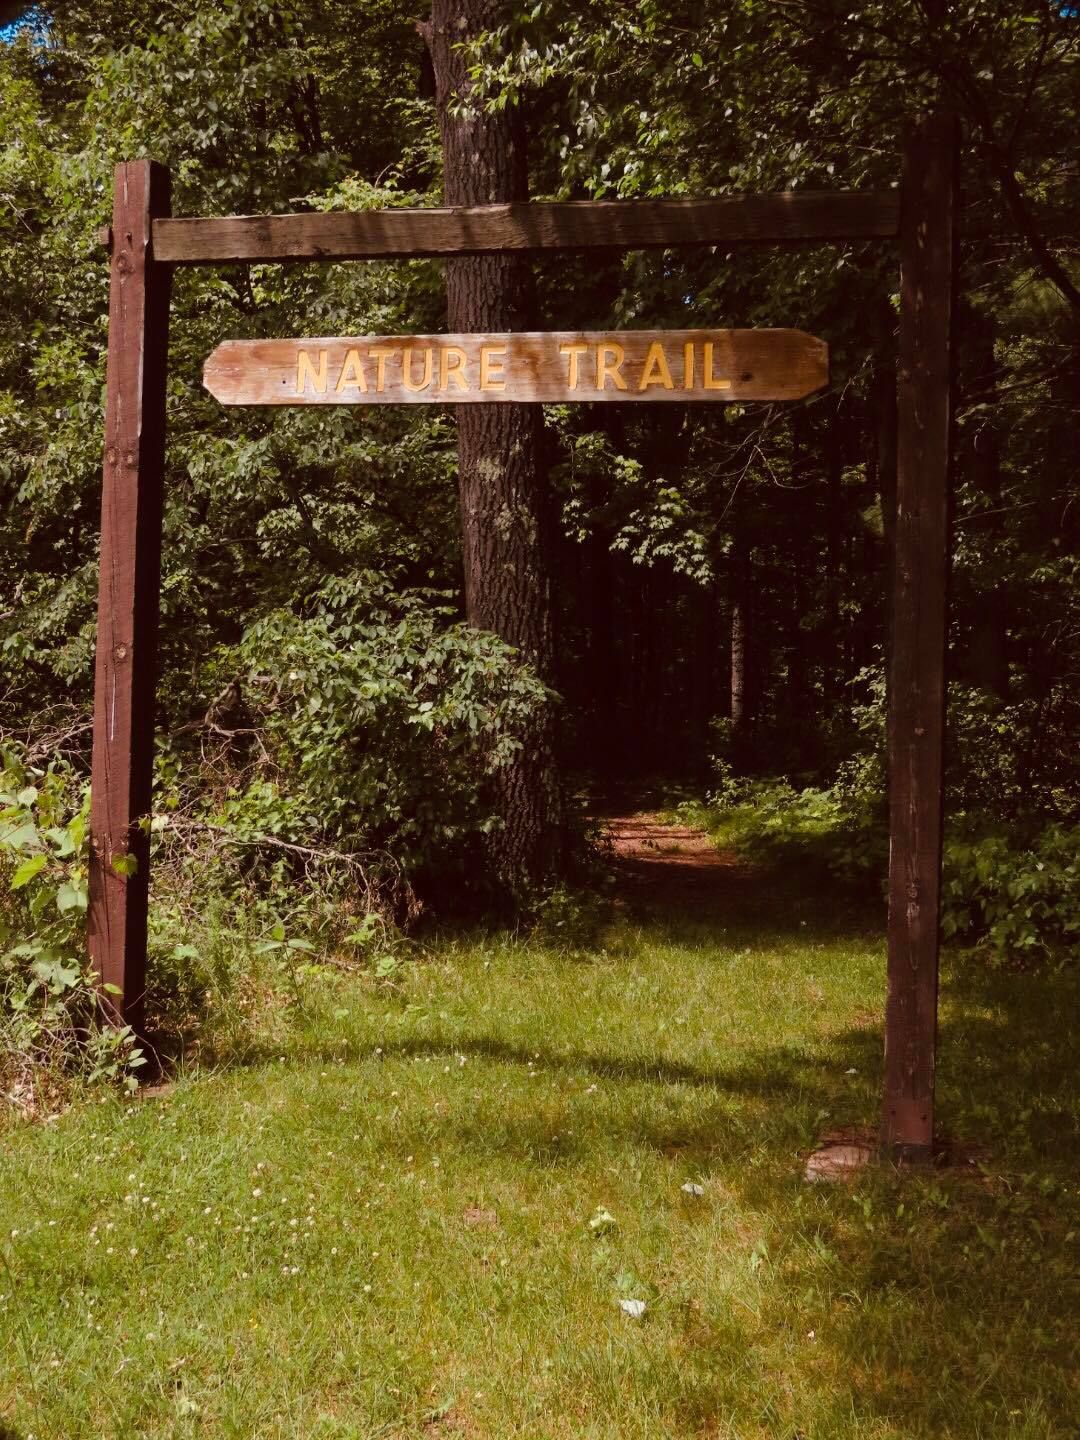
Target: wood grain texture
633, 366
917, 670
524, 226
131, 505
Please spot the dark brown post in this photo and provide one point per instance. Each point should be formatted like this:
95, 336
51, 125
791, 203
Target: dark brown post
131, 505
916, 677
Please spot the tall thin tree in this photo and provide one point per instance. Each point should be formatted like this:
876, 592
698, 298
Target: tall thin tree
501, 477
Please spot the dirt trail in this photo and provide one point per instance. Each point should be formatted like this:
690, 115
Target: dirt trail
655, 861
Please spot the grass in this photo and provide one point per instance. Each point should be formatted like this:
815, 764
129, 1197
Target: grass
376, 1222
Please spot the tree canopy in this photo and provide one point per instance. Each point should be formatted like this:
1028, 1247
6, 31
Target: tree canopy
720, 573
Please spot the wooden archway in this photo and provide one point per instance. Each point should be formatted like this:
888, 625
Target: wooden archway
147, 243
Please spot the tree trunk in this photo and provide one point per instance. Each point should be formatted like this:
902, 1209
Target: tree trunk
501, 487
883, 409
741, 691
831, 649
988, 664
801, 570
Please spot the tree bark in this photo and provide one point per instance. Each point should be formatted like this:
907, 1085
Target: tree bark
741, 690
501, 484
883, 410
988, 665
831, 649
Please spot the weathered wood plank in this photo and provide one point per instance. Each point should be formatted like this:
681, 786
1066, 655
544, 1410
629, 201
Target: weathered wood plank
916, 678
574, 225
131, 505
551, 366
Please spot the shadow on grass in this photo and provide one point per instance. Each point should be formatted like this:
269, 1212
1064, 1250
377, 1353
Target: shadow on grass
795, 922
914, 1304
1006, 1067
911, 1305
939, 1303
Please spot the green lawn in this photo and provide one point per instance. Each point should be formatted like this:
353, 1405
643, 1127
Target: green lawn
377, 1223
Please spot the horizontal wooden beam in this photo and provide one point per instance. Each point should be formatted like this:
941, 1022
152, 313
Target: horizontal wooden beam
575, 225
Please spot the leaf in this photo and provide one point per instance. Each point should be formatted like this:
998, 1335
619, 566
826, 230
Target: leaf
70, 897
62, 842
19, 836
27, 870
759, 1256
634, 1308
365, 932
125, 864
440, 1412
58, 974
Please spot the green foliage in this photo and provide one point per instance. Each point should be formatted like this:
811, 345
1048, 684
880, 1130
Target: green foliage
352, 755
1011, 759
311, 557
645, 517
1021, 900
837, 831
1012, 898
572, 918
47, 993
1010, 878
382, 720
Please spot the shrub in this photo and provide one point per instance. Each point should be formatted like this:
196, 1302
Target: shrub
818, 829
1021, 899
351, 749
379, 723
1018, 897
47, 995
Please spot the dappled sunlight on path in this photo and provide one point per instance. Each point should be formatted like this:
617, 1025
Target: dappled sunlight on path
667, 859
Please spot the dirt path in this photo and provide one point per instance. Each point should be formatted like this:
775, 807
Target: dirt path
655, 861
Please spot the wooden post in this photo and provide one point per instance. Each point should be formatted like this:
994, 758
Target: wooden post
916, 675
131, 507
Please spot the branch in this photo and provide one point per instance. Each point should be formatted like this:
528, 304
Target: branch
971, 97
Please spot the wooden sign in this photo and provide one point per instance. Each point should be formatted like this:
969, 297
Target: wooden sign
555, 367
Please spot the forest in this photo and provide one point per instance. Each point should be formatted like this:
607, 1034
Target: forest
419, 663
